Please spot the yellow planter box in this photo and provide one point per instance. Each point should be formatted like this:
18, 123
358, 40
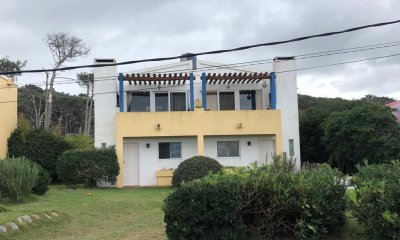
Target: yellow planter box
164, 177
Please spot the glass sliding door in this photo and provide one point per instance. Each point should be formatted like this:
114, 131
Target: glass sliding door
178, 101
250, 99
161, 101
140, 102
226, 101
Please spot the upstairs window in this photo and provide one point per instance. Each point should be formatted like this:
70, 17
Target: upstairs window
226, 100
250, 99
228, 148
167, 150
139, 101
161, 101
178, 101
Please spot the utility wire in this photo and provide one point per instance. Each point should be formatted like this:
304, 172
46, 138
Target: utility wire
208, 52
240, 64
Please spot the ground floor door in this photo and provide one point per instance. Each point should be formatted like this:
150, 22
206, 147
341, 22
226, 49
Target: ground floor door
266, 150
131, 164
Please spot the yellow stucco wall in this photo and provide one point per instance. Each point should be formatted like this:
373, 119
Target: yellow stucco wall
8, 112
197, 123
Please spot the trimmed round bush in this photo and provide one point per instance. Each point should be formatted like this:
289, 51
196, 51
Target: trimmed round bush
194, 168
42, 185
206, 208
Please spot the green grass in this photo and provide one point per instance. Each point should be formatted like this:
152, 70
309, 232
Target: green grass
133, 213
129, 213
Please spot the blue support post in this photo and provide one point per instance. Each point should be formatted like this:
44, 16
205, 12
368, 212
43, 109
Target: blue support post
204, 90
191, 78
121, 92
273, 90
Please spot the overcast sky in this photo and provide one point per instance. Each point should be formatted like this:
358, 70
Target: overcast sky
129, 30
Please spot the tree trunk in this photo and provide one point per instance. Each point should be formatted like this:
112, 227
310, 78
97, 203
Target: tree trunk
48, 110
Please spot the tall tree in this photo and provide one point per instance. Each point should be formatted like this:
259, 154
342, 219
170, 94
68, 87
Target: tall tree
86, 80
64, 47
378, 101
7, 65
31, 104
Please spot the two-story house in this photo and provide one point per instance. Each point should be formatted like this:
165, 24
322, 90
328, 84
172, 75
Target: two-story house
160, 116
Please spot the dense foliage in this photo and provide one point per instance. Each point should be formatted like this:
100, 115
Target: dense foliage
17, 177
257, 203
375, 203
80, 141
325, 123
88, 166
39, 146
42, 185
194, 168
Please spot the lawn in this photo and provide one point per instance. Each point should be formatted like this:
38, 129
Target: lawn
130, 213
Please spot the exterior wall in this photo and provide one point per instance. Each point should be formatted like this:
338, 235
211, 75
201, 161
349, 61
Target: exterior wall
198, 123
8, 110
105, 89
248, 154
149, 162
286, 102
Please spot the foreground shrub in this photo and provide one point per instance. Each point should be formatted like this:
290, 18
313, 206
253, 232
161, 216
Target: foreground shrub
194, 168
205, 209
42, 185
264, 202
17, 177
39, 146
88, 166
375, 203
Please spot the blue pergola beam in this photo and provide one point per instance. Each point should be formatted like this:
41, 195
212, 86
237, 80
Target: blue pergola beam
204, 90
273, 90
121, 92
191, 78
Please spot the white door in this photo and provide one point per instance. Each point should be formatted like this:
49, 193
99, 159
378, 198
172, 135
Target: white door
266, 150
131, 164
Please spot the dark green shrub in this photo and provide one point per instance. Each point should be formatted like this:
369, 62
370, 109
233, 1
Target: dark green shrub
88, 166
39, 146
272, 202
376, 200
17, 177
205, 209
2, 208
80, 141
42, 185
194, 168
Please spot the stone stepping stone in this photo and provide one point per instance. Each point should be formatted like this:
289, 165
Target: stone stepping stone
35, 216
3, 229
12, 225
48, 216
26, 218
55, 214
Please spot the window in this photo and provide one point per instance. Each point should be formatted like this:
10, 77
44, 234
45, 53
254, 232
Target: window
139, 102
161, 101
178, 101
169, 150
250, 99
226, 101
228, 148
212, 101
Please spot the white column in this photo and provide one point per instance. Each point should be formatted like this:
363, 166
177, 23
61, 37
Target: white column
286, 101
105, 103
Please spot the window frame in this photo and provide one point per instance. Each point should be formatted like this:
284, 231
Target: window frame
239, 152
234, 100
170, 155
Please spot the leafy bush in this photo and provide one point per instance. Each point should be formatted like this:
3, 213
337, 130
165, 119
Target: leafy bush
205, 209
194, 168
263, 202
17, 177
376, 200
39, 146
43, 182
80, 141
88, 166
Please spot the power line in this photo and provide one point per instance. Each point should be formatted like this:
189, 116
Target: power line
209, 52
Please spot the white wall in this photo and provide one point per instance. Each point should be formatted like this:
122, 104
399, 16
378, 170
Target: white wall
105, 102
286, 101
149, 162
248, 154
